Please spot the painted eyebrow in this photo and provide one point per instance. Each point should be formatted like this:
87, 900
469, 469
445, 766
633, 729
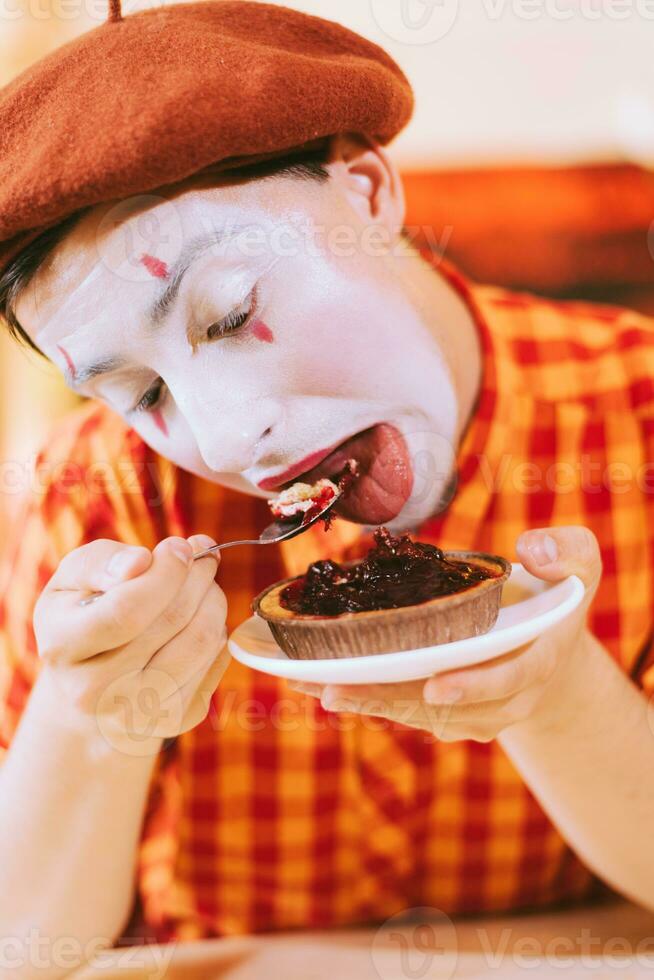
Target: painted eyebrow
163, 303
192, 251
84, 374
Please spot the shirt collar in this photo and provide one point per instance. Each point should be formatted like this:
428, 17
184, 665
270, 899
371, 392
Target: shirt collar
484, 440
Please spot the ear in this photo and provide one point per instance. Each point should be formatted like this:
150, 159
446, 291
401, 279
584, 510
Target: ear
369, 178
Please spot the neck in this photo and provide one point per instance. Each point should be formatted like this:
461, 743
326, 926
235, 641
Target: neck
452, 325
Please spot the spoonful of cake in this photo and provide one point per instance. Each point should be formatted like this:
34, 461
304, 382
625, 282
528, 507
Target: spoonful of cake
294, 509
298, 507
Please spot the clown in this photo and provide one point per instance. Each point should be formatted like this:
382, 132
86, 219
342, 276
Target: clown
201, 227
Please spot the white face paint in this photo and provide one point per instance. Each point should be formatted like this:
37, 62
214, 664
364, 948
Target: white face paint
279, 345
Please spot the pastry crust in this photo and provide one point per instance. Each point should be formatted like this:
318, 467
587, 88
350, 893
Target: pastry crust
469, 612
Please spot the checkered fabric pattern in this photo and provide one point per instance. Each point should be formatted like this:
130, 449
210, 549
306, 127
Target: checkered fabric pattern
274, 814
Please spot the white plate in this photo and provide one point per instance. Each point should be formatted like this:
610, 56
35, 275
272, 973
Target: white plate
538, 607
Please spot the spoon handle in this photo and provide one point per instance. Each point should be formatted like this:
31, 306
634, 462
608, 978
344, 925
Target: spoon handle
87, 600
219, 547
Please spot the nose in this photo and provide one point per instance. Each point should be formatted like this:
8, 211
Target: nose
231, 437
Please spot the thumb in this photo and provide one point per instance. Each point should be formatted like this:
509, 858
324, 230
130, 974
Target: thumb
553, 553
99, 565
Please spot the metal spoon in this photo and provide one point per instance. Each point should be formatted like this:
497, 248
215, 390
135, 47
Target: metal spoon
279, 530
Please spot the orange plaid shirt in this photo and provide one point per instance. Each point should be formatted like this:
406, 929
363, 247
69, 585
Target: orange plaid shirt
273, 813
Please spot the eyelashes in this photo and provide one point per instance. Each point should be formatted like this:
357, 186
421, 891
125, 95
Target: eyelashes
235, 319
150, 400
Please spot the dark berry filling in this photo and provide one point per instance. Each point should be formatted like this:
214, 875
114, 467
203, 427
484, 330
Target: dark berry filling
396, 572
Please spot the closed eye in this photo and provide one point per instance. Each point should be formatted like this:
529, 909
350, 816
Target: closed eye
235, 319
152, 397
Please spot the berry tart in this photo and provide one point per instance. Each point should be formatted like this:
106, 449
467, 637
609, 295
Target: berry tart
403, 595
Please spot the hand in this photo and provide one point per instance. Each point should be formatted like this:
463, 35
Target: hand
140, 663
479, 702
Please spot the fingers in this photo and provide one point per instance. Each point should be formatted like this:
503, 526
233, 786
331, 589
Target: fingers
204, 690
181, 610
315, 690
494, 681
335, 697
67, 631
194, 648
497, 679
403, 704
100, 565
188, 696
552, 553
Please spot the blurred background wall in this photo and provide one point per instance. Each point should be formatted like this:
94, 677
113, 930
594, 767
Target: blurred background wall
529, 159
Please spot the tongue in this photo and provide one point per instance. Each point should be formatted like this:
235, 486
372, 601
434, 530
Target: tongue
384, 486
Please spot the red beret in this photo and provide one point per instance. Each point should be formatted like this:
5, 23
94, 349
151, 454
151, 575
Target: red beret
149, 99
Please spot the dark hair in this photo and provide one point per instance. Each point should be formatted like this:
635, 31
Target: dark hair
307, 165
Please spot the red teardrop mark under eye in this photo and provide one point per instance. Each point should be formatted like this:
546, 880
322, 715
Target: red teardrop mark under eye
262, 331
68, 359
160, 421
155, 266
